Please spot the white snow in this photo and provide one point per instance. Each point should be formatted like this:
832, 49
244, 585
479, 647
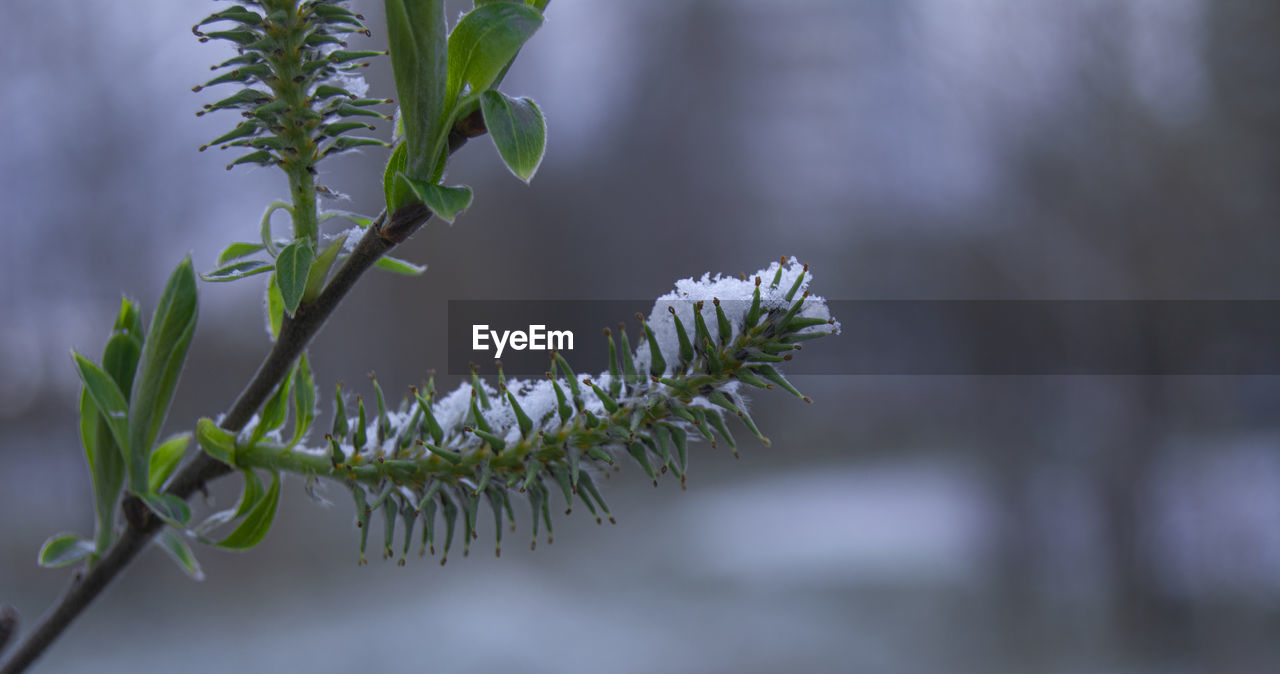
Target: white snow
538, 400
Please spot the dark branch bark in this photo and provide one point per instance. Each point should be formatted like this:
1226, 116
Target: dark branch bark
8, 624
295, 334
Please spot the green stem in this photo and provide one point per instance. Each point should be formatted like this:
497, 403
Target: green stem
273, 457
414, 467
299, 159
302, 187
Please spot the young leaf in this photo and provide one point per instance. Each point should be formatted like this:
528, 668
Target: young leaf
129, 318
361, 221
168, 507
237, 270
267, 242
304, 400
275, 411
275, 308
319, 271
216, 442
257, 522
120, 359
445, 202
394, 190
518, 131
252, 493
238, 250
165, 459
249, 497
106, 469
171, 543
106, 396
163, 355
102, 453
293, 265
398, 266
484, 42
416, 34
64, 549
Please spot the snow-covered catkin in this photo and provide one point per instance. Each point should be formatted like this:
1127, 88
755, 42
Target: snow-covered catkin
701, 347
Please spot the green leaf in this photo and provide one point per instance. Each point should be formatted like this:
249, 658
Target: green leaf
275, 308
106, 469
304, 400
252, 493
394, 190
518, 131
359, 220
275, 411
319, 271
64, 549
129, 319
267, 241
445, 202
238, 250
293, 265
168, 507
238, 270
165, 459
484, 42
163, 355
257, 522
120, 359
216, 442
102, 453
416, 34
398, 266
249, 497
106, 396
180, 552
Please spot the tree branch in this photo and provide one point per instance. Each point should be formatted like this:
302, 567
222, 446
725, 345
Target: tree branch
295, 334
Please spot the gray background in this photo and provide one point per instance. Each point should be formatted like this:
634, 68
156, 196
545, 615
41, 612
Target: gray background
906, 149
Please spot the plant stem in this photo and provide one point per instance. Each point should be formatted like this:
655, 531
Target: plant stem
302, 186
300, 163
141, 526
295, 334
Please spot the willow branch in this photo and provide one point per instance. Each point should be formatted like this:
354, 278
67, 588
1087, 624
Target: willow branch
296, 333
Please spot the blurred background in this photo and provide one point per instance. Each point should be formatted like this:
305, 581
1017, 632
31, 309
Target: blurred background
905, 149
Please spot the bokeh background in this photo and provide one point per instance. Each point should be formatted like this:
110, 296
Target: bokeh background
906, 149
